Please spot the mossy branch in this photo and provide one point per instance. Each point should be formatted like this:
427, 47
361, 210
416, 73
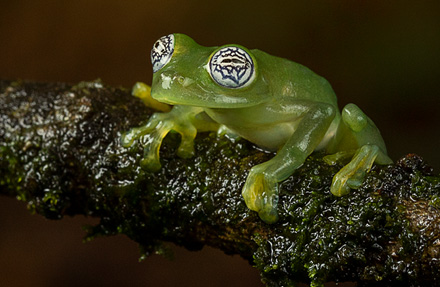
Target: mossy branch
60, 152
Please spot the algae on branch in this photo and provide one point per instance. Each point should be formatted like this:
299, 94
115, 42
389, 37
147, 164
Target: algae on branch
60, 152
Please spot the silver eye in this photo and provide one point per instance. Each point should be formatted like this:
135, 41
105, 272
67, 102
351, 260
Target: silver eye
162, 52
232, 67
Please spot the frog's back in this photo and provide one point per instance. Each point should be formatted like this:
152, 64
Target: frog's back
289, 79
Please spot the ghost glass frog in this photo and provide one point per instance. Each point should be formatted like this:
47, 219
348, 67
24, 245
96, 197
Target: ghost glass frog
275, 103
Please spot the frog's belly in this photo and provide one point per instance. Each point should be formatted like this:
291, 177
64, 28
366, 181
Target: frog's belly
270, 138
274, 137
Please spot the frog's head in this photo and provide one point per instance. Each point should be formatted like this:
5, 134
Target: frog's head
185, 73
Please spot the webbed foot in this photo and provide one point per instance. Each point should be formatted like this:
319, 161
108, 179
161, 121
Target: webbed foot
260, 192
159, 125
352, 175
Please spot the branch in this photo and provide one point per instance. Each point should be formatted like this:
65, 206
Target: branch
60, 152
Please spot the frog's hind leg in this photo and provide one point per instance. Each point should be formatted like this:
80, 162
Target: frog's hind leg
359, 134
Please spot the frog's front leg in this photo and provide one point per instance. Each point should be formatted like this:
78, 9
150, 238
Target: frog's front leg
260, 191
182, 119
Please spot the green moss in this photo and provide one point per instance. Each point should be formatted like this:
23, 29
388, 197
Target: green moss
346, 233
63, 156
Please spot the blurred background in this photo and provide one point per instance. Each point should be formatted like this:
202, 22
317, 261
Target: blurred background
381, 55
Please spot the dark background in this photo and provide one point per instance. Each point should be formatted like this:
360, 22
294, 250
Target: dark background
381, 55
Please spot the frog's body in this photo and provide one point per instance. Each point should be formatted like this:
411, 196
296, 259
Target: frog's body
275, 103
271, 123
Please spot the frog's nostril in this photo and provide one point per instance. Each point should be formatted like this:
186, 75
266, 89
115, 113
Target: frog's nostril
184, 81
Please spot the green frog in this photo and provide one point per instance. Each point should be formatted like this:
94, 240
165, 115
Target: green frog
275, 103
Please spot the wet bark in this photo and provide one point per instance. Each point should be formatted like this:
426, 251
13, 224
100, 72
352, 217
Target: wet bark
60, 152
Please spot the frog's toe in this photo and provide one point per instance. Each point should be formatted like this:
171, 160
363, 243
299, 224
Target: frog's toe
151, 161
261, 194
152, 143
342, 183
252, 191
128, 138
339, 186
333, 159
186, 147
269, 214
151, 164
352, 175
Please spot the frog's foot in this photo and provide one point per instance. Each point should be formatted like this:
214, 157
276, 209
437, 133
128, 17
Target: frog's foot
260, 192
143, 91
225, 131
151, 135
333, 159
352, 175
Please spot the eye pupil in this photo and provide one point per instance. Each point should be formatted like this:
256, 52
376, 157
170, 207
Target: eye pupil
162, 52
234, 61
232, 67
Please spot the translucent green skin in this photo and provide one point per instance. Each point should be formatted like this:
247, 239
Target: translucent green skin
287, 108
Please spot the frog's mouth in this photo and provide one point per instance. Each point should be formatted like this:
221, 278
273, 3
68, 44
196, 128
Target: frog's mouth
202, 100
177, 90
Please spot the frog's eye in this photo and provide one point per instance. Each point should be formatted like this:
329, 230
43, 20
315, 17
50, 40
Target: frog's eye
232, 67
162, 52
